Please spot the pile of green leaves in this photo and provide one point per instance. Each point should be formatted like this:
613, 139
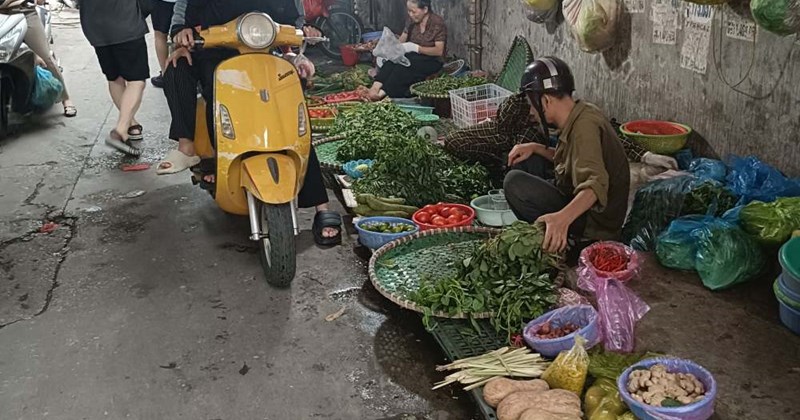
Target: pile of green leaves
508, 275
442, 85
421, 172
709, 198
345, 81
367, 127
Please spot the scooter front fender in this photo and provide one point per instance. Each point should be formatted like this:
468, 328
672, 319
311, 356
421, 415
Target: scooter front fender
272, 178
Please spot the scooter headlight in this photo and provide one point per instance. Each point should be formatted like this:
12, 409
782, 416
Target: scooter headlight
257, 30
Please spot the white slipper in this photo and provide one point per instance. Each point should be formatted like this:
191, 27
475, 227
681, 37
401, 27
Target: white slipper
178, 162
123, 146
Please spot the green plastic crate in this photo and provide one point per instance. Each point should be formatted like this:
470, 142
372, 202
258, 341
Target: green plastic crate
459, 339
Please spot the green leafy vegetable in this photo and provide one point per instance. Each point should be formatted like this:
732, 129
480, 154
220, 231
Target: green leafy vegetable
443, 85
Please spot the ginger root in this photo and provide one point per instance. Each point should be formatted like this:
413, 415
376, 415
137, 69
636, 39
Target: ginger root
654, 385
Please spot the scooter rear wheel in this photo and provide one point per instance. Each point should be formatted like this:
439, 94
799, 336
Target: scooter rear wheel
277, 250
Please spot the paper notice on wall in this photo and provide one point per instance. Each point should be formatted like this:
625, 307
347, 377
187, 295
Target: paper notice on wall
666, 21
635, 6
696, 37
739, 27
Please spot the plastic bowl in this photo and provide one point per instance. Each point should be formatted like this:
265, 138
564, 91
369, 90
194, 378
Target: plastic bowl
350, 167
790, 262
425, 119
583, 316
661, 137
786, 295
375, 240
427, 226
702, 409
790, 317
489, 216
416, 110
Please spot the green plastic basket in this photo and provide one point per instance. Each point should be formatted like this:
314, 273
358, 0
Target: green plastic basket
517, 60
396, 268
327, 149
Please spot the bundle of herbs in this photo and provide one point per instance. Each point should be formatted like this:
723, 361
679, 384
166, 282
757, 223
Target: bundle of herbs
443, 85
344, 81
420, 172
509, 275
368, 126
709, 198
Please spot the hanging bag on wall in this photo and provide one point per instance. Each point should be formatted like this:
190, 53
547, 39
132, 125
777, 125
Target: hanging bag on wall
542, 11
781, 17
593, 23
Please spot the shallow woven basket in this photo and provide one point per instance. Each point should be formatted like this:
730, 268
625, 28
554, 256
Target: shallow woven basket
395, 269
327, 149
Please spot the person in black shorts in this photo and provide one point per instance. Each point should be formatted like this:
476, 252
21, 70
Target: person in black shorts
116, 30
162, 19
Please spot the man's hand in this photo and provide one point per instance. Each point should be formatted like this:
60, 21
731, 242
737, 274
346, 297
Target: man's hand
555, 234
312, 32
659, 161
178, 54
410, 47
521, 153
185, 38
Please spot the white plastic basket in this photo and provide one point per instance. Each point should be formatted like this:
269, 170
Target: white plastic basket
476, 104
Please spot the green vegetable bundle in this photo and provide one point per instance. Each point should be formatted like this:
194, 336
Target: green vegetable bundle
709, 198
441, 86
509, 275
344, 81
366, 126
421, 172
771, 223
371, 205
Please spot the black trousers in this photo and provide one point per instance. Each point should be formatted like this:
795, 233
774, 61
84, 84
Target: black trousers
180, 88
531, 193
396, 79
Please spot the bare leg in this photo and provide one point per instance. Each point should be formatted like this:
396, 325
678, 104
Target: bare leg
162, 51
376, 92
128, 105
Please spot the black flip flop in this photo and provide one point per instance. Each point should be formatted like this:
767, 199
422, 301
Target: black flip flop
327, 219
206, 167
132, 132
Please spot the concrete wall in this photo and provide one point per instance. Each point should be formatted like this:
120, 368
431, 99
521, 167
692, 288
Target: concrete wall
640, 79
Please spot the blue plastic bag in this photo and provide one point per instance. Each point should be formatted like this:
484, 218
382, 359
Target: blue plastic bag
46, 89
684, 158
721, 253
752, 179
705, 169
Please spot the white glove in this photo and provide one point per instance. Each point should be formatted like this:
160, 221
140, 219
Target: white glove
380, 60
659, 161
410, 47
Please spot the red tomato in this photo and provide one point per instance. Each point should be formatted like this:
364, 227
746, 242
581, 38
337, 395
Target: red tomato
431, 209
445, 211
439, 221
454, 219
458, 210
424, 217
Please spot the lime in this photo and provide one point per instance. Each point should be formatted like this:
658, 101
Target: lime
363, 168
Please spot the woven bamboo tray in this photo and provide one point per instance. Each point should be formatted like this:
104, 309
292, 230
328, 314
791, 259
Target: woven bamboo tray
395, 269
327, 149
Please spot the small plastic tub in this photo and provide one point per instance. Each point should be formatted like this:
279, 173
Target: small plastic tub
790, 317
349, 55
790, 262
489, 215
786, 295
375, 240
699, 410
584, 316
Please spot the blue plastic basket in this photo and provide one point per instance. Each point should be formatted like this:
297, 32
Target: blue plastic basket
583, 316
375, 240
700, 410
350, 167
790, 317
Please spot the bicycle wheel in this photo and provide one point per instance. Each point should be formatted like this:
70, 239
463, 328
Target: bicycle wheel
341, 28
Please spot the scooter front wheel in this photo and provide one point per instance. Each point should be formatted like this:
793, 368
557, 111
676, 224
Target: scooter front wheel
277, 248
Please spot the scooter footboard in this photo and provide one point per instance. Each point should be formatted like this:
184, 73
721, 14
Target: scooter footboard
270, 177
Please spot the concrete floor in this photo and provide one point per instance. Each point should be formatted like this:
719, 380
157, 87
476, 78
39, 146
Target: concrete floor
154, 307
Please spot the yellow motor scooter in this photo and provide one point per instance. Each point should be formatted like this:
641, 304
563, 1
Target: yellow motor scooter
263, 137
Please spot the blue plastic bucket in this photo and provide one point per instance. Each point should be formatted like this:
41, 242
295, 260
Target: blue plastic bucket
583, 316
375, 240
700, 410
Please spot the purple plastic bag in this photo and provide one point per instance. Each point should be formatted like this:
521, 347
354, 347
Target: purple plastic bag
619, 310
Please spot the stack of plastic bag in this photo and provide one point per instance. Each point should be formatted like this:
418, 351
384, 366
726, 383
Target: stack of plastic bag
771, 223
721, 253
593, 23
542, 11
618, 307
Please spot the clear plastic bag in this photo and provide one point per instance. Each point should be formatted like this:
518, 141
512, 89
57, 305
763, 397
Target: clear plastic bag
753, 179
655, 205
619, 310
305, 67
593, 23
46, 89
390, 48
570, 368
771, 223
